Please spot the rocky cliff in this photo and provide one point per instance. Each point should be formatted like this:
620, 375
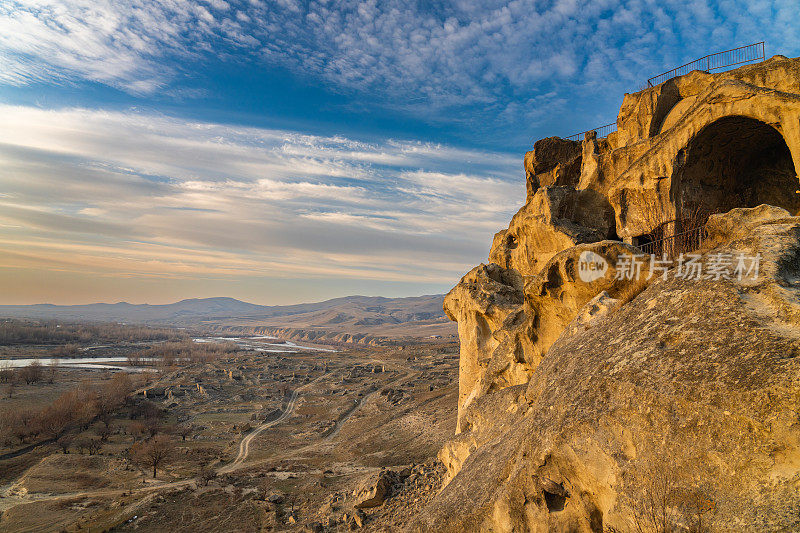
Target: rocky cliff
602, 388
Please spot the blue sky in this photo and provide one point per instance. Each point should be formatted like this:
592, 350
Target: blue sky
283, 151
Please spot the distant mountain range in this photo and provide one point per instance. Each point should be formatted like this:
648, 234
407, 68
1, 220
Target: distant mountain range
374, 315
195, 308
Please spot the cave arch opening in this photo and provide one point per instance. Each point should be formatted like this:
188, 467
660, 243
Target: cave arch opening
735, 161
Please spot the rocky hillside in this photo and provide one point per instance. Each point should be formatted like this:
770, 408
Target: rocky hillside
679, 404
650, 385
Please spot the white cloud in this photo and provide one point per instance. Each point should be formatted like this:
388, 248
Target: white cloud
490, 54
147, 195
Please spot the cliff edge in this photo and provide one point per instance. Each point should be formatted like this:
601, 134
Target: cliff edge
629, 355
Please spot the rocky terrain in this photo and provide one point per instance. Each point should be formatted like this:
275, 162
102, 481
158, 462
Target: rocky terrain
629, 361
630, 354
260, 441
688, 390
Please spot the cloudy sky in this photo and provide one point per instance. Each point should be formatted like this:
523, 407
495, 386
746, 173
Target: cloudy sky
280, 151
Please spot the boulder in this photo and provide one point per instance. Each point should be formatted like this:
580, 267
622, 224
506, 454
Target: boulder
553, 161
375, 490
740, 223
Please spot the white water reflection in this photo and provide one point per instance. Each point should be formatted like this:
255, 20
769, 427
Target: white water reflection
252, 343
96, 363
104, 363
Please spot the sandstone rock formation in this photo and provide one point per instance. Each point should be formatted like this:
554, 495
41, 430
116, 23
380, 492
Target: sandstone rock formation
506, 325
588, 394
691, 388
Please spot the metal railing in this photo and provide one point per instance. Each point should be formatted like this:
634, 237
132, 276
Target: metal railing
602, 131
674, 245
728, 58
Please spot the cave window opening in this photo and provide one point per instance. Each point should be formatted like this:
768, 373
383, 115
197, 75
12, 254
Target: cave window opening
733, 162
555, 495
555, 502
511, 241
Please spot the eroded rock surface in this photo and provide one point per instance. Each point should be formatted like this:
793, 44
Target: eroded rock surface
553, 161
586, 397
375, 490
507, 325
692, 386
553, 219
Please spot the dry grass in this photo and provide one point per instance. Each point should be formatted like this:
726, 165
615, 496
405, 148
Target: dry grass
63, 473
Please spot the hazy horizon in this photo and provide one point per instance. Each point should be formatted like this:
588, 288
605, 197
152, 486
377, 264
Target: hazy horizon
219, 298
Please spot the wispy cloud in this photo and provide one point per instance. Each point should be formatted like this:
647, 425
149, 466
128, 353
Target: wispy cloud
129, 194
499, 55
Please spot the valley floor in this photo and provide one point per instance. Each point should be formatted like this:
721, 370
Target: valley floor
272, 442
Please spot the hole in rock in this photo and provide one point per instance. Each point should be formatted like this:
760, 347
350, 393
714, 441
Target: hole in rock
554, 502
734, 162
641, 240
511, 242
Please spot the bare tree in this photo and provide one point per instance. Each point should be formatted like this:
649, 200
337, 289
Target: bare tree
104, 432
7, 374
68, 350
119, 387
698, 508
153, 426
153, 452
112, 396
138, 430
11, 386
668, 495
20, 424
655, 510
184, 430
55, 418
52, 370
94, 446
64, 442
33, 372
82, 445
207, 473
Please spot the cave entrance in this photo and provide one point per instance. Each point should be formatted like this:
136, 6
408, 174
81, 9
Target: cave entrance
733, 162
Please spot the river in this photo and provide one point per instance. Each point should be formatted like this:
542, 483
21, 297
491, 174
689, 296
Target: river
106, 363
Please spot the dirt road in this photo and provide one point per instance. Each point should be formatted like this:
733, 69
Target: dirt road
244, 445
409, 374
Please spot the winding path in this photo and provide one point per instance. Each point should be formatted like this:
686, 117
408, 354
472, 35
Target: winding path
410, 374
244, 445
